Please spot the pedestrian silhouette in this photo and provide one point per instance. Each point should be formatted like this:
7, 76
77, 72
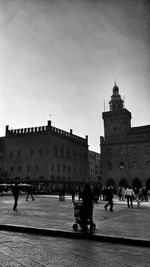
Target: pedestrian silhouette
109, 198
30, 193
15, 191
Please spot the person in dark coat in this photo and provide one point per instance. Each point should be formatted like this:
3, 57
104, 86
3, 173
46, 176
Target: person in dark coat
15, 191
30, 193
87, 198
109, 198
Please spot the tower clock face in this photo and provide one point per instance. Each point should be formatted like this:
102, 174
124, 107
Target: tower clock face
114, 129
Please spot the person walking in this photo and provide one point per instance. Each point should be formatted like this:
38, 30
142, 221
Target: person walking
129, 194
15, 191
109, 198
30, 193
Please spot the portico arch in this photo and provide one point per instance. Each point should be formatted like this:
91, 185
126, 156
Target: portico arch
148, 184
124, 183
136, 183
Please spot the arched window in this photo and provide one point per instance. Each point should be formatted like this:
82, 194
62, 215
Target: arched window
31, 152
37, 168
28, 168
19, 169
134, 150
148, 164
67, 154
120, 152
121, 165
55, 152
109, 152
109, 166
11, 154
134, 165
61, 153
148, 149
40, 152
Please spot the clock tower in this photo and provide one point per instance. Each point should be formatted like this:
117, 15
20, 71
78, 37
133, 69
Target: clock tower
117, 121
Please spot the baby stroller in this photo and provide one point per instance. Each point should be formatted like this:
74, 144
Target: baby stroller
81, 221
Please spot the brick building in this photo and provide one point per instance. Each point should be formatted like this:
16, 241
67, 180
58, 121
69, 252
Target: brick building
125, 150
46, 156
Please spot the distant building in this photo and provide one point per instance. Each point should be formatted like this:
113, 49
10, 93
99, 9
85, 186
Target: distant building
94, 160
125, 150
45, 156
3, 175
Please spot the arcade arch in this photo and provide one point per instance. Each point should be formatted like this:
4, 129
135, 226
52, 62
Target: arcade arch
148, 184
123, 182
136, 183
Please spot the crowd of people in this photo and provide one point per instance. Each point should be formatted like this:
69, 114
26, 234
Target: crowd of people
89, 194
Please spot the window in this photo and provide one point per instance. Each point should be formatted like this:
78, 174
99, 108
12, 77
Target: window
67, 154
64, 168
37, 168
31, 152
68, 169
109, 152
109, 166
61, 153
148, 164
55, 152
121, 152
85, 156
28, 168
11, 169
75, 155
121, 165
52, 167
11, 154
134, 150
135, 165
58, 168
19, 169
148, 149
18, 154
40, 152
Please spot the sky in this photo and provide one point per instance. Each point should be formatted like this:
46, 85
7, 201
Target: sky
59, 60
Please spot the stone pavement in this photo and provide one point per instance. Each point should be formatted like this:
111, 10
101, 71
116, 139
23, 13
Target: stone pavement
47, 215
30, 250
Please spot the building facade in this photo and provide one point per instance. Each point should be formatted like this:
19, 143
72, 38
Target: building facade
46, 156
125, 150
94, 160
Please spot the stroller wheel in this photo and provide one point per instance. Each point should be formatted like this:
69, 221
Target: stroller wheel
75, 227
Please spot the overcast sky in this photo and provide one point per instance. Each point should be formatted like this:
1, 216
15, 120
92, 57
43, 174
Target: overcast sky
61, 57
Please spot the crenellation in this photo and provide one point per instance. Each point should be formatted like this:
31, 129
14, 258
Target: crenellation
47, 129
